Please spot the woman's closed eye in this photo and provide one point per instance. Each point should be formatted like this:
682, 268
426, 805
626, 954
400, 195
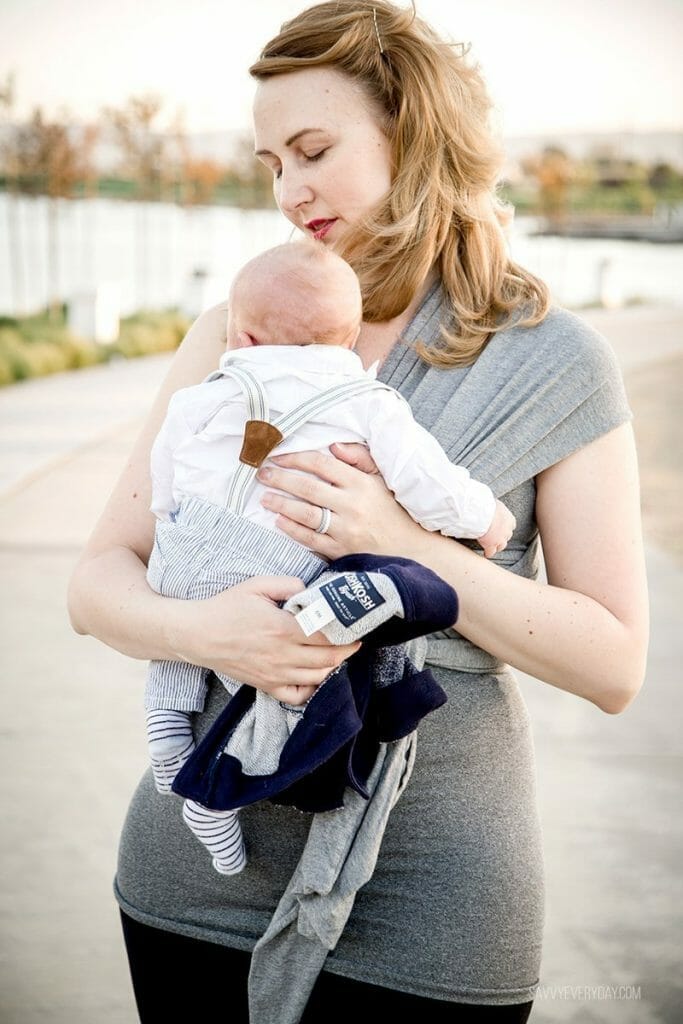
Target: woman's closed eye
310, 158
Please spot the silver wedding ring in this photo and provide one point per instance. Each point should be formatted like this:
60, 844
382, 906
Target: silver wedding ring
325, 521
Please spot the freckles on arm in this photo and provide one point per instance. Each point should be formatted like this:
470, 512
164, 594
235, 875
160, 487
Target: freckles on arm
586, 630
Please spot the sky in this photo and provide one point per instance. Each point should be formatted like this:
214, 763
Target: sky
561, 67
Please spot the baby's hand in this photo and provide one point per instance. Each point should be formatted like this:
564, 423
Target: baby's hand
499, 532
293, 694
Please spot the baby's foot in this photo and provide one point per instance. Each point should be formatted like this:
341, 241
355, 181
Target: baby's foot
221, 833
170, 739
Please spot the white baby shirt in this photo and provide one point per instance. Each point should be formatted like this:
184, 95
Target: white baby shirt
197, 449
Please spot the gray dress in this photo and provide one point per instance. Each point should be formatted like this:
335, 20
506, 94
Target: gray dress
454, 909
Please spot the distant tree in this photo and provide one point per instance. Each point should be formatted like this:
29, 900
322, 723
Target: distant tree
9, 168
252, 179
177, 156
143, 149
553, 171
662, 176
202, 177
50, 161
88, 138
666, 183
141, 144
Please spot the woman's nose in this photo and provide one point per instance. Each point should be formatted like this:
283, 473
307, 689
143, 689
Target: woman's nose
293, 191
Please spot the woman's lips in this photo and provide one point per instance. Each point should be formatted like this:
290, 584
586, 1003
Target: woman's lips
320, 227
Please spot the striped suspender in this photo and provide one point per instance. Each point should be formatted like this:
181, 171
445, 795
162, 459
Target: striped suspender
288, 423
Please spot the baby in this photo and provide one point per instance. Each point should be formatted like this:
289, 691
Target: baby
290, 370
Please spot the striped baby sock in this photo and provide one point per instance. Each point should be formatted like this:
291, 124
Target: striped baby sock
170, 742
221, 833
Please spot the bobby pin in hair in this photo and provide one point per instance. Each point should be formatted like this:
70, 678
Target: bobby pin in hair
379, 38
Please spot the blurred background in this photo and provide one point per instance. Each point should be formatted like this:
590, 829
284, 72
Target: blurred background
129, 196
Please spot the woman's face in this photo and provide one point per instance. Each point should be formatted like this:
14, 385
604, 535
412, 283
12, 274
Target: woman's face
320, 135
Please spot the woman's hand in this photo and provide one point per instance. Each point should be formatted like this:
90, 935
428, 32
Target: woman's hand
242, 633
365, 515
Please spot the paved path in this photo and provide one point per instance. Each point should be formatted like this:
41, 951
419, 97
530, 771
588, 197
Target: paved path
609, 787
46, 420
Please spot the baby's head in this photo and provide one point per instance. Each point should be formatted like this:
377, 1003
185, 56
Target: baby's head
299, 293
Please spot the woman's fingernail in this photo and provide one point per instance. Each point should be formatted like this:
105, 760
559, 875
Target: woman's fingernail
264, 474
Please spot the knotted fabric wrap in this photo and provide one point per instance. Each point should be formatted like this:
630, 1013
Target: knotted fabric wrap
339, 857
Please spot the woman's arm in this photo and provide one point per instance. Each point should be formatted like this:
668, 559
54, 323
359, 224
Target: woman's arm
108, 596
242, 631
585, 631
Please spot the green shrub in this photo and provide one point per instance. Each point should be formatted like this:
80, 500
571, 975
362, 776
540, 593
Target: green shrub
6, 371
12, 350
36, 345
82, 352
142, 339
148, 332
44, 357
41, 328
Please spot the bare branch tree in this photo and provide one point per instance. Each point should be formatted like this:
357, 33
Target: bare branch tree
49, 162
252, 179
9, 166
554, 171
144, 151
142, 148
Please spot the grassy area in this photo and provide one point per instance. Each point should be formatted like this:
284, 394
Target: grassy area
34, 346
228, 191
633, 197
579, 198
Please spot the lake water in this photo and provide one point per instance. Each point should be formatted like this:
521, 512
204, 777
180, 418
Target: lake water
148, 253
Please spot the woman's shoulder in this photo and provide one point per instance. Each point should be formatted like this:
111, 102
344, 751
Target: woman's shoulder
550, 389
562, 325
562, 340
210, 326
198, 353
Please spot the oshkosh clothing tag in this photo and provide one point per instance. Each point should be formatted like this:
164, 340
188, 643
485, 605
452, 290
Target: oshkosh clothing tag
352, 597
315, 616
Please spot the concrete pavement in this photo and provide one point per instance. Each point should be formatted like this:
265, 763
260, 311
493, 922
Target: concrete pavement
609, 787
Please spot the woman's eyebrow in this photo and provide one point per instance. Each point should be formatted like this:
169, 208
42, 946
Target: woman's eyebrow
292, 139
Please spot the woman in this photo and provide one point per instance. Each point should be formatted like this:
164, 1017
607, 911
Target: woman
376, 134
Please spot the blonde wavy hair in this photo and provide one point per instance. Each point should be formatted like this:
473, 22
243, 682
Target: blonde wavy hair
442, 208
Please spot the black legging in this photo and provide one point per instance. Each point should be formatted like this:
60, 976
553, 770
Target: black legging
179, 979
